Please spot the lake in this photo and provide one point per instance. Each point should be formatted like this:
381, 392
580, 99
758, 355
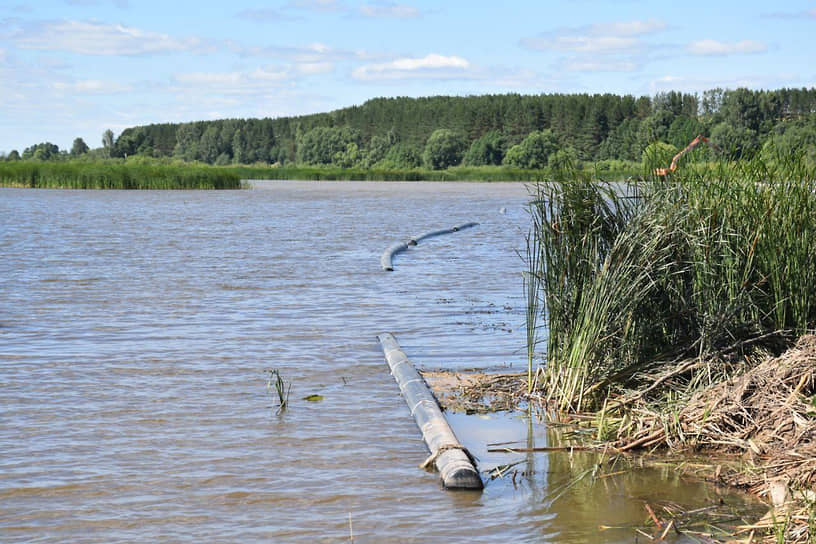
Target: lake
136, 334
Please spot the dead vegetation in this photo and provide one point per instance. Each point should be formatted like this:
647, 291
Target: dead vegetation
477, 392
758, 427
766, 415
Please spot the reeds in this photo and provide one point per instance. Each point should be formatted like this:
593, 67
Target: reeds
114, 174
634, 275
532, 290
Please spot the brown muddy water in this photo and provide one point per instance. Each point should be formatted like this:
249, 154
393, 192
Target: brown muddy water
136, 329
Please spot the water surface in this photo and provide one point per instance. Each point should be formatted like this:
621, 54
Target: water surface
136, 329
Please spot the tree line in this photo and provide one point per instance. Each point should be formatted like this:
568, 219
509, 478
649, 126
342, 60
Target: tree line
520, 131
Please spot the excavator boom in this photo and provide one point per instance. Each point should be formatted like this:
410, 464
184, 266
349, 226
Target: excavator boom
694, 143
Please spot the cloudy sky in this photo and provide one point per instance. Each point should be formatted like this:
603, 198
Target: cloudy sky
73, 68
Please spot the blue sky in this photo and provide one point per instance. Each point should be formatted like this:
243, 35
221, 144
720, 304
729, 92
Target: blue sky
73, 68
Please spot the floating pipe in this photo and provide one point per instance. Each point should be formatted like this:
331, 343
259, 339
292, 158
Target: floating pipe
387, 258
456, 469
415, 240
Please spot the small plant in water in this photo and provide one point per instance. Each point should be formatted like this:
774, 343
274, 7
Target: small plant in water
281, 388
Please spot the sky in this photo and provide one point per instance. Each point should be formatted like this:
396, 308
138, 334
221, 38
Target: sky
75, 68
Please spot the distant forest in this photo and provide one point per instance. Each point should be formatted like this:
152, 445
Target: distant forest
522, 131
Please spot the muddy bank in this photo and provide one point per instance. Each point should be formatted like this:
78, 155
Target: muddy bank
754, 431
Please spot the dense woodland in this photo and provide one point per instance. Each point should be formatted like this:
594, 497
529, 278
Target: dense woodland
519, 131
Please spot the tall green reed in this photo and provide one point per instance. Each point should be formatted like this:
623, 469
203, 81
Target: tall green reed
713, 255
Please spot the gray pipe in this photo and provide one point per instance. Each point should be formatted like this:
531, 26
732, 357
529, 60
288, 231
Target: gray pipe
387, 258
452, 460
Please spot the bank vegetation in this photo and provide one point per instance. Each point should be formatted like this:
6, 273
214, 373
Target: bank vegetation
678, 314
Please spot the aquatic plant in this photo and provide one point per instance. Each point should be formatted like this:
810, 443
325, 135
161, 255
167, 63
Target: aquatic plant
281, 388
641, 275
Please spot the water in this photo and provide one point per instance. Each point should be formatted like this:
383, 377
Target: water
136, 329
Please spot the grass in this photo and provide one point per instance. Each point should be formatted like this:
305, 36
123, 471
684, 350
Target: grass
115, 174
635, 276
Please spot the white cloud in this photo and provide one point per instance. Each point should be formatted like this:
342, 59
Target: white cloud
590, 44
93, 38
618, 46
628, 28
232, 81
601, 38
717, 48
314, 68
91, 86
432, 66
389, 9
313, 53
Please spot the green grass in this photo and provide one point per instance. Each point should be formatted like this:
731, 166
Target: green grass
115, 174
714, 255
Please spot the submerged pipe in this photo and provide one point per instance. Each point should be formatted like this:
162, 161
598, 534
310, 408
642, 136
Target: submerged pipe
387, 258
453, 461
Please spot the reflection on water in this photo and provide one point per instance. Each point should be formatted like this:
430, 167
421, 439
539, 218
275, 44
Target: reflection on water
136, 329
589, 497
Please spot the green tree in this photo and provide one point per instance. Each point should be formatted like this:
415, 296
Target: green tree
402, 156
683, 130
790, 139
79, 147
657, 155
14, 155
188, 136
563, 159
208, 146
654, 128
320, 145
738, 142
41, 152
533, 152
378, 148
489, 149
107, 141
349, 157
444, 148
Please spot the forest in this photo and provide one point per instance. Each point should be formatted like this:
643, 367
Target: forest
523, 132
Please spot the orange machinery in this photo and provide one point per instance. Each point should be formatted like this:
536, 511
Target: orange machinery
673, 166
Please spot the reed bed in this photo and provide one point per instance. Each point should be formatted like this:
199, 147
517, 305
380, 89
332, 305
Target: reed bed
639, 277
114, 174
668, 303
